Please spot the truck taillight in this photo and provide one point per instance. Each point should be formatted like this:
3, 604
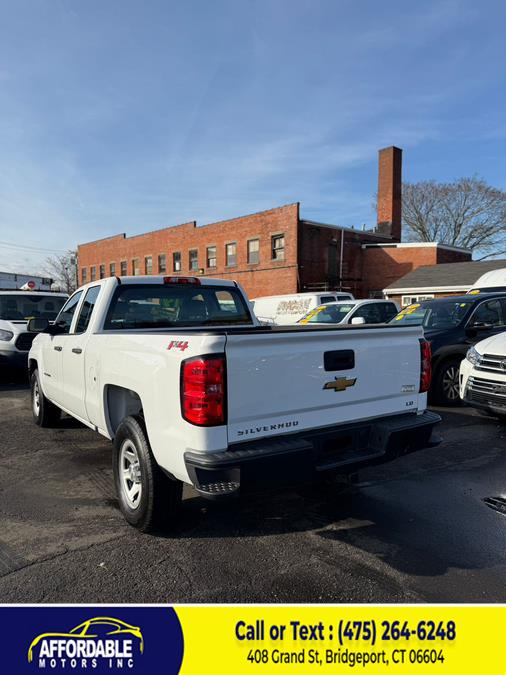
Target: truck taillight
425, 365
203, 390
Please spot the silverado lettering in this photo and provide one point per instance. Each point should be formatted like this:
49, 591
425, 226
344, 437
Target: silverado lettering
271, 427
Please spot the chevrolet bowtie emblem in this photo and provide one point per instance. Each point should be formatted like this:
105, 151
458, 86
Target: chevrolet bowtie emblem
340, 383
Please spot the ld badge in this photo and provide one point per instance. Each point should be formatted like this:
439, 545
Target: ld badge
340, 383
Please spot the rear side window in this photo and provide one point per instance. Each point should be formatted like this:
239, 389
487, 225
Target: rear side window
87, 309
174, 306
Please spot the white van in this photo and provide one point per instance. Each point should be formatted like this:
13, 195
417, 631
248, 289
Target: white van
287, 309
492, 281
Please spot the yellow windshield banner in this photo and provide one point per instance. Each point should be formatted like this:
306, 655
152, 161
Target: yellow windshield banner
311, 314
421, 639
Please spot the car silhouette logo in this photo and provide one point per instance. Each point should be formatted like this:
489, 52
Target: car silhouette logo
88, 631
503, 364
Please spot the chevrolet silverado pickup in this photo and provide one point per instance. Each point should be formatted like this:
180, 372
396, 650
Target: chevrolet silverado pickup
190, 388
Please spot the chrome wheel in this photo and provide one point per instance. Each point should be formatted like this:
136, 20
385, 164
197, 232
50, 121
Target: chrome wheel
130, 474
450, 383
36, 398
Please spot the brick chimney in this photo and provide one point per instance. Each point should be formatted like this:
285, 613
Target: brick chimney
390, 192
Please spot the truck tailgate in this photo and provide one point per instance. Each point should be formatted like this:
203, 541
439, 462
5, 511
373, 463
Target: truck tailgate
291, 380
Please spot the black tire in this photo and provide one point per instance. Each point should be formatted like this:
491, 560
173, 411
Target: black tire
159, 497
445, 387
45, 413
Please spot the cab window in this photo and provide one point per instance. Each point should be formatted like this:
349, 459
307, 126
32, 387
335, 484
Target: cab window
387, 310
370, 313
167, 305
87, 309
64, 318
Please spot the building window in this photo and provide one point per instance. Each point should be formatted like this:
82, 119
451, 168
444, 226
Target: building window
211, 256
123, 268
231, 254
162, 263
253, 251
102, 271
112, 269
410, 299
193, 260
278, 247
93, 273
176, 262
84, 275
136, 267
148, 265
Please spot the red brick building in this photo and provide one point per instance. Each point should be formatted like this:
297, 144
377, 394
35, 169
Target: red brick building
275, 251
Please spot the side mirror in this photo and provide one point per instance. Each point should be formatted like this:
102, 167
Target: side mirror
358, 320
37, 325
475, 327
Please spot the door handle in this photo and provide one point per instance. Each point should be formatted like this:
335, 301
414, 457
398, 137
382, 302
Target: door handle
77, 350
58, 348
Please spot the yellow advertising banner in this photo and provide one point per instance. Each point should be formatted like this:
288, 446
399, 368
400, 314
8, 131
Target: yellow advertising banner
393, 639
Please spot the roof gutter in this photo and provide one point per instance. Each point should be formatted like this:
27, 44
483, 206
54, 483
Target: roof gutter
427, 289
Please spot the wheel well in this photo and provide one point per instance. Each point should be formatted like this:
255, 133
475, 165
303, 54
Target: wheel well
445, 358
32, 365
120, 403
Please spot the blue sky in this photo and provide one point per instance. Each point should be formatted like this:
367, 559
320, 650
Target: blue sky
129, 116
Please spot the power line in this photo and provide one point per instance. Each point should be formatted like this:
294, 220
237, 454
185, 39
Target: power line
33, 248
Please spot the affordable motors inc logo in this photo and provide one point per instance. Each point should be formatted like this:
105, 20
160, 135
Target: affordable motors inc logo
101, 642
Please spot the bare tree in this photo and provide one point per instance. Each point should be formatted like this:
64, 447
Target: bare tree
467, 213
63, 269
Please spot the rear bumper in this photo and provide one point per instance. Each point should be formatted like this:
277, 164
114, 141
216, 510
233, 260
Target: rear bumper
298, 458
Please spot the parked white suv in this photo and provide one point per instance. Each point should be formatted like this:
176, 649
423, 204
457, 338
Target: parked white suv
16, 307
191, 389
352, 311
483, 376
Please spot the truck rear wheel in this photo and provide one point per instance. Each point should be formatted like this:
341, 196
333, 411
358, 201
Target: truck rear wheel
147, 497
45, 413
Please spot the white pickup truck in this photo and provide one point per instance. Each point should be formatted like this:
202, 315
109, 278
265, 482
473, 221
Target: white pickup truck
178, 373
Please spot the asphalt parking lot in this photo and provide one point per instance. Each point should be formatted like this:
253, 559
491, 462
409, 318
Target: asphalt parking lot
415, 530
